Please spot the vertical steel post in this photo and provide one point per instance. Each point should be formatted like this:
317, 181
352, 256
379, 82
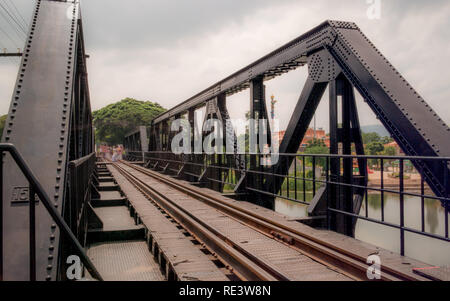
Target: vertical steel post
334, 149
295, 175
382, 189
402, 210
304, 178
447, 195
327, 167
257, 101
32, 233
1, 216
346, 139
422, 203
314, 174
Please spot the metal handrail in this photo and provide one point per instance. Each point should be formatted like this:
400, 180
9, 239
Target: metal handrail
329, 179
314, 155
35, 187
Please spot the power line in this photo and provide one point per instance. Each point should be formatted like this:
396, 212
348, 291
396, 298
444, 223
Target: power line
19, 14
18, 33
8, 36
14, 19
14, 14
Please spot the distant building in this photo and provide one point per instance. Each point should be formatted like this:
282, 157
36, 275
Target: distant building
310, 135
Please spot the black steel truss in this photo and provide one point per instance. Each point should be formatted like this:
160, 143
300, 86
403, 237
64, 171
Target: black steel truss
339, 49
50, 123
133, 140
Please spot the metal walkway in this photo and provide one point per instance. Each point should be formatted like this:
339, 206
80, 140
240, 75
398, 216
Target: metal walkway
252, 252
118, 249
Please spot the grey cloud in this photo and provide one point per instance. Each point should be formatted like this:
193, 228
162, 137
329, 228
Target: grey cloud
160, 23
166, 51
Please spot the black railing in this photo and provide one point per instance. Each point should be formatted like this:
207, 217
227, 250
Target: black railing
79, 183
397, 176
36, 188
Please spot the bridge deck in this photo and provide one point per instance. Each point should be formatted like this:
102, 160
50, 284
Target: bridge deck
294, 264
118, 249
179, 254
170, 246
125, 261
351, 245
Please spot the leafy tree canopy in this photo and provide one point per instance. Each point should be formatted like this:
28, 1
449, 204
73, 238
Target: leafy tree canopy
386, 140
317, 147
390, 151
316, 143
114, 121
2, 124
375, 148
370, 137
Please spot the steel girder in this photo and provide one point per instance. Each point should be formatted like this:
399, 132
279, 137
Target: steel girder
409, 119
50, 123
137, 140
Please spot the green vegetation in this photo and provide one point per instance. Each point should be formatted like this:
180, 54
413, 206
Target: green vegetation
316, 147
374, 137
2, 124
114, 121
390, 151
374, 148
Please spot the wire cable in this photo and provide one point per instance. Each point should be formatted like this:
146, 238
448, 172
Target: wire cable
18, 13
21, 36
14, 20
9, 37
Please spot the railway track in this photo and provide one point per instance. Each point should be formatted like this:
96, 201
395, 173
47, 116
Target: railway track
243, 263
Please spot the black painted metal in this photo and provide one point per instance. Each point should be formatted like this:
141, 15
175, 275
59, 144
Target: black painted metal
50, 123
330, 49
18, 54
35, 188
324, 179
346, 134
1, 217
137, 141
297, 127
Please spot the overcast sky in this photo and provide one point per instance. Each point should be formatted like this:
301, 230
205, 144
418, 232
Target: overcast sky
168, 50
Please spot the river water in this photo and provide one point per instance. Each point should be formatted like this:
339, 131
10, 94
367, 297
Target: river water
429, 250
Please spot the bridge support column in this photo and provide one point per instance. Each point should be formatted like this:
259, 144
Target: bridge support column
258, 111
342, 135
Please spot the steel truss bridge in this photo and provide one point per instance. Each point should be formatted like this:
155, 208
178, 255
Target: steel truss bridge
55, 191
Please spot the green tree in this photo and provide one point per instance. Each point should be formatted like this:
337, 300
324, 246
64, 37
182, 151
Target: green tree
114, 121
2, 124
386, 140
373, 149
317, 147
370, 137
390, 151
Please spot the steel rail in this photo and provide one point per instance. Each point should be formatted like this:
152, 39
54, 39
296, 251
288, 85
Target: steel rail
245, 265
348, 262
